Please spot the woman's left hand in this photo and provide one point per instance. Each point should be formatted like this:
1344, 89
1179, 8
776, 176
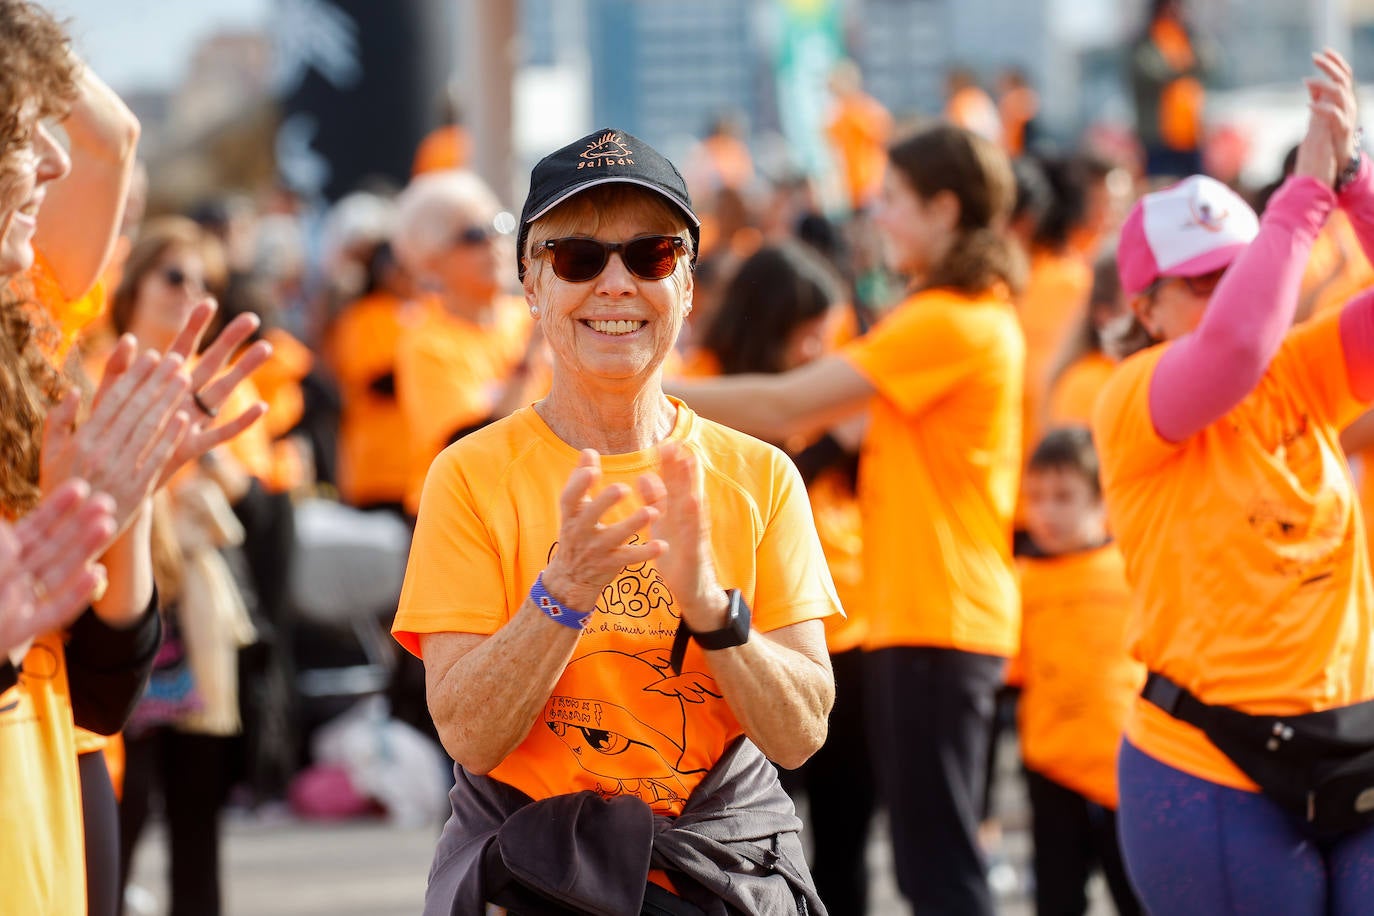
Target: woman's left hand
206, 392
683, 524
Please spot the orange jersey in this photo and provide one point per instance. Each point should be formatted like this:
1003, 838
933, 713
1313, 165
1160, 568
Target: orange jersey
619, 721
1077, 675
1074, 394
1243, 546
840, 527
443, 148
1338, 261
859, 130
43, 869
373, 458
939, 472
448, 374
1050, 309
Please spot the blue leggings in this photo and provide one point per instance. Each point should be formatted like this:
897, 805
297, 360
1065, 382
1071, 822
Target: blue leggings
1192, 846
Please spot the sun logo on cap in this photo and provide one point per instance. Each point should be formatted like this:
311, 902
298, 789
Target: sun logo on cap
608, 149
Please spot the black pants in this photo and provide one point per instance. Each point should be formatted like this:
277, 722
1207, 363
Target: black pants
189, 773
1073, 836
930, 715
839, 785
100, 821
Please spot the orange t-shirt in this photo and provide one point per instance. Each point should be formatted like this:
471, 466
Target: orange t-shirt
1074, 394
1050, 309
839, 525
974, 110
1337, 240
43, 868
618, 722
939, 472
859, 129
373, 461
443, 148
1077, 675
1243, 546
448, 374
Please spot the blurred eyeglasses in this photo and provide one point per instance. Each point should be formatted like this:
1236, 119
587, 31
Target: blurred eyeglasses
479, 234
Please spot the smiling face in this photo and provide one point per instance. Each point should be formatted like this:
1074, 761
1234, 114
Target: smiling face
24, 177
616, 327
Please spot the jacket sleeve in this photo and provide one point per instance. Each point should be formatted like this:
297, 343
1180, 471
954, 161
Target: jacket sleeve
107, 668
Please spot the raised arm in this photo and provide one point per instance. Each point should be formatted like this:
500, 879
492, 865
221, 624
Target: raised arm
803, 401
1206, 373
82, 213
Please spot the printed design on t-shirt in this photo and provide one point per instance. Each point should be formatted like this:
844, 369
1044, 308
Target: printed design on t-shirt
637, 592
40, 663
609, 149
636, 744
1304, 529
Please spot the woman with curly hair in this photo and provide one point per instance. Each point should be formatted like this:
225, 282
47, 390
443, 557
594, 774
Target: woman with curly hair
150, 414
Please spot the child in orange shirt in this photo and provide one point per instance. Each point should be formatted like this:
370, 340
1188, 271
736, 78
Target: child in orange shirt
1078, 679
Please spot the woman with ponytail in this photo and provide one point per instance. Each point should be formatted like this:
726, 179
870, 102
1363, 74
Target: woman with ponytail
941, 377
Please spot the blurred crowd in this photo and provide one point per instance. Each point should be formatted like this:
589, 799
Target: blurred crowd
396, 329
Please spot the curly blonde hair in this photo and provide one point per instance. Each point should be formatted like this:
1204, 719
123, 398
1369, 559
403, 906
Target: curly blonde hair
38, 80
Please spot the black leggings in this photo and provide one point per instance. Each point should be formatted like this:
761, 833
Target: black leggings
189, 772
930, 717
100, 820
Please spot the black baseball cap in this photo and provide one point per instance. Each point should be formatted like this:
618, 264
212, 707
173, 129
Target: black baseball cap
604, 157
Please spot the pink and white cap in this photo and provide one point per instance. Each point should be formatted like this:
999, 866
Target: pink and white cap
1192, 228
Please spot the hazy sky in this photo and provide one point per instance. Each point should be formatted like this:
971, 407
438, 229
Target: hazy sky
145, 44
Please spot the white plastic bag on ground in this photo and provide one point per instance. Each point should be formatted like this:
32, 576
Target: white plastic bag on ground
387, 760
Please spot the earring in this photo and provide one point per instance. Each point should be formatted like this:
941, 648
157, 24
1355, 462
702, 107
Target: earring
534, 311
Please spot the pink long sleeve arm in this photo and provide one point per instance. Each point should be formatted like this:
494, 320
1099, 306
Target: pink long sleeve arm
1357, 200
1357, 318
1206, 373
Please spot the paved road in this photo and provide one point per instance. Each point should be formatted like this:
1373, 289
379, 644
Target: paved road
283, 867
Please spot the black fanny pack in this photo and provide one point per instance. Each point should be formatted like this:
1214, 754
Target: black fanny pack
1319, 765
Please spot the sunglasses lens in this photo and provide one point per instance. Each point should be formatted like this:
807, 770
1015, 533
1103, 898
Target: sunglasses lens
651, 258
578, 260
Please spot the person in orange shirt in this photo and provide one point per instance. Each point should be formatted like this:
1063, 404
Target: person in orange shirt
859, 128
1089, 359
1017, 105
464, 360
777, 313
968, 105
1168, 67
1078, 679
721, 161
941, 376
593, 629
448, 146
88, 675
1244, 545
362, 347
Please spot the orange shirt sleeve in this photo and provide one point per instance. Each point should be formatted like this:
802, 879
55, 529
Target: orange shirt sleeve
454, 578
919, 354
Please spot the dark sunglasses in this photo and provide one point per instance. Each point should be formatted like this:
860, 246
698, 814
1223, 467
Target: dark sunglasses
177, 278
649, 257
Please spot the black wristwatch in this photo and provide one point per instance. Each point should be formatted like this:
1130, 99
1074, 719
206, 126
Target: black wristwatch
1352, 165
734, 633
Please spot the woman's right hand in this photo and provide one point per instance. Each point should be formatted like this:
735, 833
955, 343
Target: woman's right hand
131, 433
591, 554
48, 573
